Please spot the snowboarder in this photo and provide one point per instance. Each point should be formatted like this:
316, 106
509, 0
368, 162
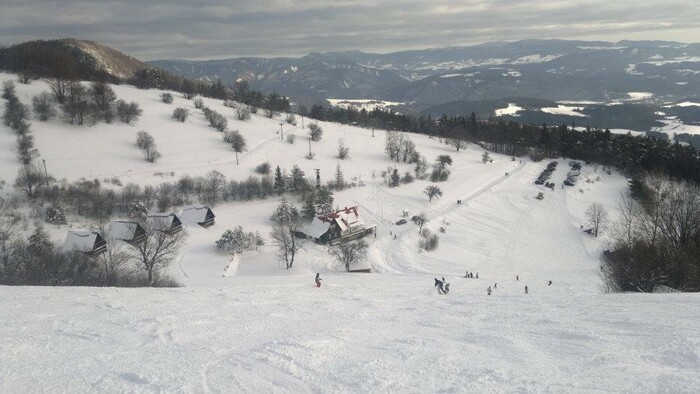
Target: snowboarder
517, 277
526, 289
550, 283
447, 288
318, 280
488, 290
495, 286
477, 275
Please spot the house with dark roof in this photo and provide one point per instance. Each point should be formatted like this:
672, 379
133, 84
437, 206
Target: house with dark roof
127, 231
85, 241
199, 214
166, 222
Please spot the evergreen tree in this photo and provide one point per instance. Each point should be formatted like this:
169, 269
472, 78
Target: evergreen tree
324, 200
308, 208
339, 178
298, 181
279, 184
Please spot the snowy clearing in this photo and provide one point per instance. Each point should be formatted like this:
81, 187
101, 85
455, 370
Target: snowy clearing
565, 110
511, 110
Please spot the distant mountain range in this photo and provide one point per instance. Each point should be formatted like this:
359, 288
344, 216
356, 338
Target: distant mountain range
538, 69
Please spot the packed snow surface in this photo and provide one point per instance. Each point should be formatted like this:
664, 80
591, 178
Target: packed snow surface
243, 323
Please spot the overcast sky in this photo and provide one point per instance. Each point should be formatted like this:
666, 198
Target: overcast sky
202, 29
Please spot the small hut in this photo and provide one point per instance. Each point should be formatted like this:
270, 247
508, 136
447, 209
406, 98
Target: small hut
129, 232
199, 214
85, 241
165, 222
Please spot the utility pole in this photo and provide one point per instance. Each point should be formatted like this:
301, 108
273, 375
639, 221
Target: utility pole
281, 133
318, 178
46, 174
302, 121
309, 146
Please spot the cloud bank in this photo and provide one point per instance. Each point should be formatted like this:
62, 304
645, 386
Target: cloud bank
157, 29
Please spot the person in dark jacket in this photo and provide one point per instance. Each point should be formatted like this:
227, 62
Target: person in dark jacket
318, 280
488, 290
526, 289
440, 285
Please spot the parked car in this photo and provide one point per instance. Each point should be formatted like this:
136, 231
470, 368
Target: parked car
400, 222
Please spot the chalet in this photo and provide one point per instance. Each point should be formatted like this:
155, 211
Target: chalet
199, 214
335, 227
165, 222
85, 241
129, 232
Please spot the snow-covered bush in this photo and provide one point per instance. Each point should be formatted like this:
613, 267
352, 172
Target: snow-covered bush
242, 112
263, 168
343, 151
166, 98
181, 114
198, 103
429, 241
216, 120
291, 119
56, 215
128, 112
315, 132
291, 138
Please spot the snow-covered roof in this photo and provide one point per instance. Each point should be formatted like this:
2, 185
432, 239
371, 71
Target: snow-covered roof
194, 214
123, 230
347, 217
316, 228
161, 221
80, 240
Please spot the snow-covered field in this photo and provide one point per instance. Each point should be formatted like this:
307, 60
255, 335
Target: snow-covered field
245, 324
565, 110
511, 109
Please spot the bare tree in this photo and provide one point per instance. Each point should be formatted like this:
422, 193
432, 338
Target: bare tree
432, 191
597, 217
215, 182
29, 179
286, 222
59, 87
242, 112
421, 220
626, 230
347, 254
43, 106
237, 143
157, 250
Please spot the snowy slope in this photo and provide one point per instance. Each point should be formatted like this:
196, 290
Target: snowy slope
374, 333
245, 324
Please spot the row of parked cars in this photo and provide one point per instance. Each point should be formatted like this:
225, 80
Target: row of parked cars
572, 176
546, 174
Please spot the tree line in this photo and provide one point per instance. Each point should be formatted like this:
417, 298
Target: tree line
631, 155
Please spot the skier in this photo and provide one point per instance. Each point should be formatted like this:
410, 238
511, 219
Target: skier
477, 275
517, 277
318, 280
488, 290
439, 285
466, 275
447, 288
495, 286
550, 283
526, 289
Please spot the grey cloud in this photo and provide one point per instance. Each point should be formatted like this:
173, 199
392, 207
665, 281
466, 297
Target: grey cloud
155, 29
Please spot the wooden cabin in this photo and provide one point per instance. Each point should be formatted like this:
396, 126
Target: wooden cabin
166, 222
129, 232
199, 214
85, 241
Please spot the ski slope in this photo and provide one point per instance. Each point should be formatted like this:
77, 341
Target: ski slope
245, 324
